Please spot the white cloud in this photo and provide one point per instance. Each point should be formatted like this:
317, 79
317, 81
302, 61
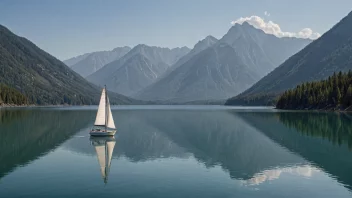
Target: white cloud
273, 28
266, 13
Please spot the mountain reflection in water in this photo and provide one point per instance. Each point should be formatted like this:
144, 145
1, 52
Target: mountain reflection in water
27, 134
251, 148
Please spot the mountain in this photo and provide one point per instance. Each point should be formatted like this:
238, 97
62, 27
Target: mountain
331, 53
41, 77
203, 76
200, 46
137, 69
71, 61
96, 60
260, 51
220, 69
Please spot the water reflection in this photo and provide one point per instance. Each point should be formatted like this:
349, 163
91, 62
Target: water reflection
323, 139
219, 138
27, 134
214, 138
335, 127
226, 151
273, 174
137, 140
104, 147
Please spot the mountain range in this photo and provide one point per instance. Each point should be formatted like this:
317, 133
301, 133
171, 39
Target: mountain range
247, 62
92, 62
140, 67
41, 77
215, 69
332, 52
218, 69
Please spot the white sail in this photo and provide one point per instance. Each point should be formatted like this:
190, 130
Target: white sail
110, 121
101, 115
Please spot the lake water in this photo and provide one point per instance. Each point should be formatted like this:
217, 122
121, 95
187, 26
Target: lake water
178, 151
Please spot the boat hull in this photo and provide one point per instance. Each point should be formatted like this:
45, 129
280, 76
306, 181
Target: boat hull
101, 133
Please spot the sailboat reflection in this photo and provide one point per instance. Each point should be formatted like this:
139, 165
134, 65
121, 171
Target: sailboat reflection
104, 147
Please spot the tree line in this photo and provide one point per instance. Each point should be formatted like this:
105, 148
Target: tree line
267, 99
332, 93
10, 95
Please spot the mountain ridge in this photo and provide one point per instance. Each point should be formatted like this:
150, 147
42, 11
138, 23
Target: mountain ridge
250, 54
96, 60
71, 61
128, 76
318, 60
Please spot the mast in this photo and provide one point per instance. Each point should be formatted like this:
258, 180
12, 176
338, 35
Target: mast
106, 108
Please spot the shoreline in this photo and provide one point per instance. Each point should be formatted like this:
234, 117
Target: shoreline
26, 106
348, 109
13, 105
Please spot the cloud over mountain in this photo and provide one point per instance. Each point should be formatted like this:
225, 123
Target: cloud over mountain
273, 28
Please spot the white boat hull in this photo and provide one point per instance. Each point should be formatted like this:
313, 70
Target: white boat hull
102, 133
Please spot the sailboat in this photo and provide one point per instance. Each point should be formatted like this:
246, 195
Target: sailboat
104, 147
104, 122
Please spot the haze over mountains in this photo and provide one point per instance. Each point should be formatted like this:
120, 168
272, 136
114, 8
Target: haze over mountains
331, 53
213, 70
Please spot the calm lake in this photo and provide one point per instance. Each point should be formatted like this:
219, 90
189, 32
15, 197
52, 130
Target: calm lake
180, 151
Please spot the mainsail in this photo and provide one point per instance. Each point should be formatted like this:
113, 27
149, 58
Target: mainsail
101, 115
104, 115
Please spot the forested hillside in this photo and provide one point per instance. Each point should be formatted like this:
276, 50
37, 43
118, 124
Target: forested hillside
9, 95
332, 93
42, 78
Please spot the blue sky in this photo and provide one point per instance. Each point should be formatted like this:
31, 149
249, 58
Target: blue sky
67, 28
